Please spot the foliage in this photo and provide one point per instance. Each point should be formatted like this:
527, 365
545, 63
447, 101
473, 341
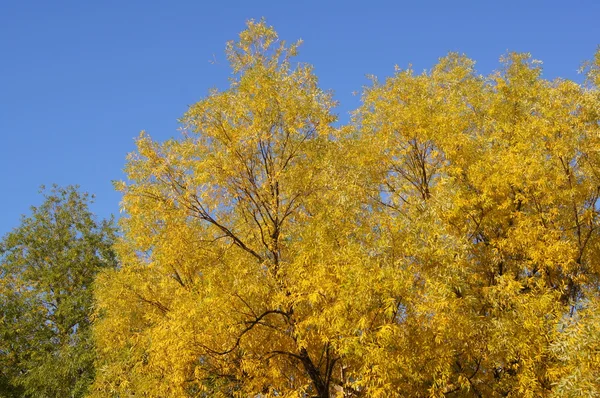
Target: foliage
47, 266
444, 244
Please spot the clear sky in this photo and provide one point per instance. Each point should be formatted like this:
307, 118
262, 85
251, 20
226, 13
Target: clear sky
79, 79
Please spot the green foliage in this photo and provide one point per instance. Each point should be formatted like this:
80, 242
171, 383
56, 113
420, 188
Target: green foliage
47, 266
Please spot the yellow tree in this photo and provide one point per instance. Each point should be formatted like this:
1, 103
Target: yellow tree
227, 263
487, 188
443, 244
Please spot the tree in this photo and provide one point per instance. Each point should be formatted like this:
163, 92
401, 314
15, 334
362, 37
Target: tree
217, 244
488, 188
443, 244
47, 266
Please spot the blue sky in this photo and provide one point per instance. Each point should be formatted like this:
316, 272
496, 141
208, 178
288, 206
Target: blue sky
80, 79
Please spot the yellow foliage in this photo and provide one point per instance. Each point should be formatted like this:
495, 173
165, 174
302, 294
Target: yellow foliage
443, 244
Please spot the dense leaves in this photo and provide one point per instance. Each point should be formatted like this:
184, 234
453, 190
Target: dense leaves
444, 243
47, 267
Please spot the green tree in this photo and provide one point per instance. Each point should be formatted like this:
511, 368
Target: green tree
47, 266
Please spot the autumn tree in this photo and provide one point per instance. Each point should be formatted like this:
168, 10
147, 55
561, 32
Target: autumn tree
218, 294
487, 189
47, 266
445, 243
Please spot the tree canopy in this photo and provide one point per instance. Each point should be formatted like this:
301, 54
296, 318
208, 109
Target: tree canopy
47, 266
444, 243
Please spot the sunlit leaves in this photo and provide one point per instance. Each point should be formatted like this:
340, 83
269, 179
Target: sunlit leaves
445, 243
